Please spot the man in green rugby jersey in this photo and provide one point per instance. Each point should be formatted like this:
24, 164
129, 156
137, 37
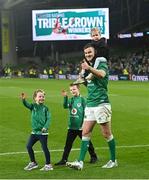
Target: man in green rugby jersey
76, 105
98, 108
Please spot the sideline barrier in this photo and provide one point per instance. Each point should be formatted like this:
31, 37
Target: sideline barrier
127, 78
111, 77
59, 76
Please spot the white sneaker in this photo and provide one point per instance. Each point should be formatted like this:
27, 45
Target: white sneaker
47, 167
76, 165
110, 164
30, 166
79, 81
89, 77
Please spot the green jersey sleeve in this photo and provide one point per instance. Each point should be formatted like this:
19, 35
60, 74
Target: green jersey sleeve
27, 105
65, 103
104, 67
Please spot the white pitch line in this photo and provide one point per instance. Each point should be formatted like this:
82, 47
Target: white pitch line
75, 149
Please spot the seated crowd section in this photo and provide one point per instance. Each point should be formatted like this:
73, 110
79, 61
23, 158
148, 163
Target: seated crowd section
130, 63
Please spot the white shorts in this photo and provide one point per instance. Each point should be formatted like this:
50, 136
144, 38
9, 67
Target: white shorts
100, 114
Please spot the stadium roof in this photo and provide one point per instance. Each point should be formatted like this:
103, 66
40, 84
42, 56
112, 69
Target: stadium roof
7, 4
125, 15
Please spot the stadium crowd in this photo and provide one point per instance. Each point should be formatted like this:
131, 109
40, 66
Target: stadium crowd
136, 63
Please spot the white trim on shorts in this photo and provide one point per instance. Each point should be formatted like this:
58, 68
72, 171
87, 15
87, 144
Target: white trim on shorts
101, 114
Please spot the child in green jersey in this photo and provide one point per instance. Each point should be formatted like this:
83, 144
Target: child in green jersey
97, 110
76, 105
40, 120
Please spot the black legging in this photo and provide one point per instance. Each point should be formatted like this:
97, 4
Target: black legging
43, 140
71, 136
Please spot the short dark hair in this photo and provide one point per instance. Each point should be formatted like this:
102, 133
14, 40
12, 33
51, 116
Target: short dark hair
78, 86
88, 45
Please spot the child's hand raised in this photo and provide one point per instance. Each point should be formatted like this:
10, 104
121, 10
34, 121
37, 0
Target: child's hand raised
23, 95
64, 93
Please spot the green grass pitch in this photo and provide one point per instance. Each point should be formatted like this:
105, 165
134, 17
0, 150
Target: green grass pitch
130, 123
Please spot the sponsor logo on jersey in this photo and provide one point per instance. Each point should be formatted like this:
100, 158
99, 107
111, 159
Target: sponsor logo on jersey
74, 111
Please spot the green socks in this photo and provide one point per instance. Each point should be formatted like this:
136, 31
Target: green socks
84, 148
85, 144
111, 144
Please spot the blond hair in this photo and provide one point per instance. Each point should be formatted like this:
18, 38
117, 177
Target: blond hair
95, 30
36, 92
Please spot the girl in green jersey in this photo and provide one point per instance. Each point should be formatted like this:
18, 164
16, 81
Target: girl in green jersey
40, 120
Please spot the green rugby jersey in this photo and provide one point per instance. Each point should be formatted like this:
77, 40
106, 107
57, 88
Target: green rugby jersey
97, 87
76, 106
40, 117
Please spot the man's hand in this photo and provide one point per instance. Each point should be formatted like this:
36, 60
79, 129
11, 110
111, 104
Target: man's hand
85, 65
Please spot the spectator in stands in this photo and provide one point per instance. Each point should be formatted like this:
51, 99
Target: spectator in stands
45, 72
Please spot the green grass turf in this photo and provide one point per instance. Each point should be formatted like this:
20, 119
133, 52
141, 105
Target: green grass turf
130, 105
